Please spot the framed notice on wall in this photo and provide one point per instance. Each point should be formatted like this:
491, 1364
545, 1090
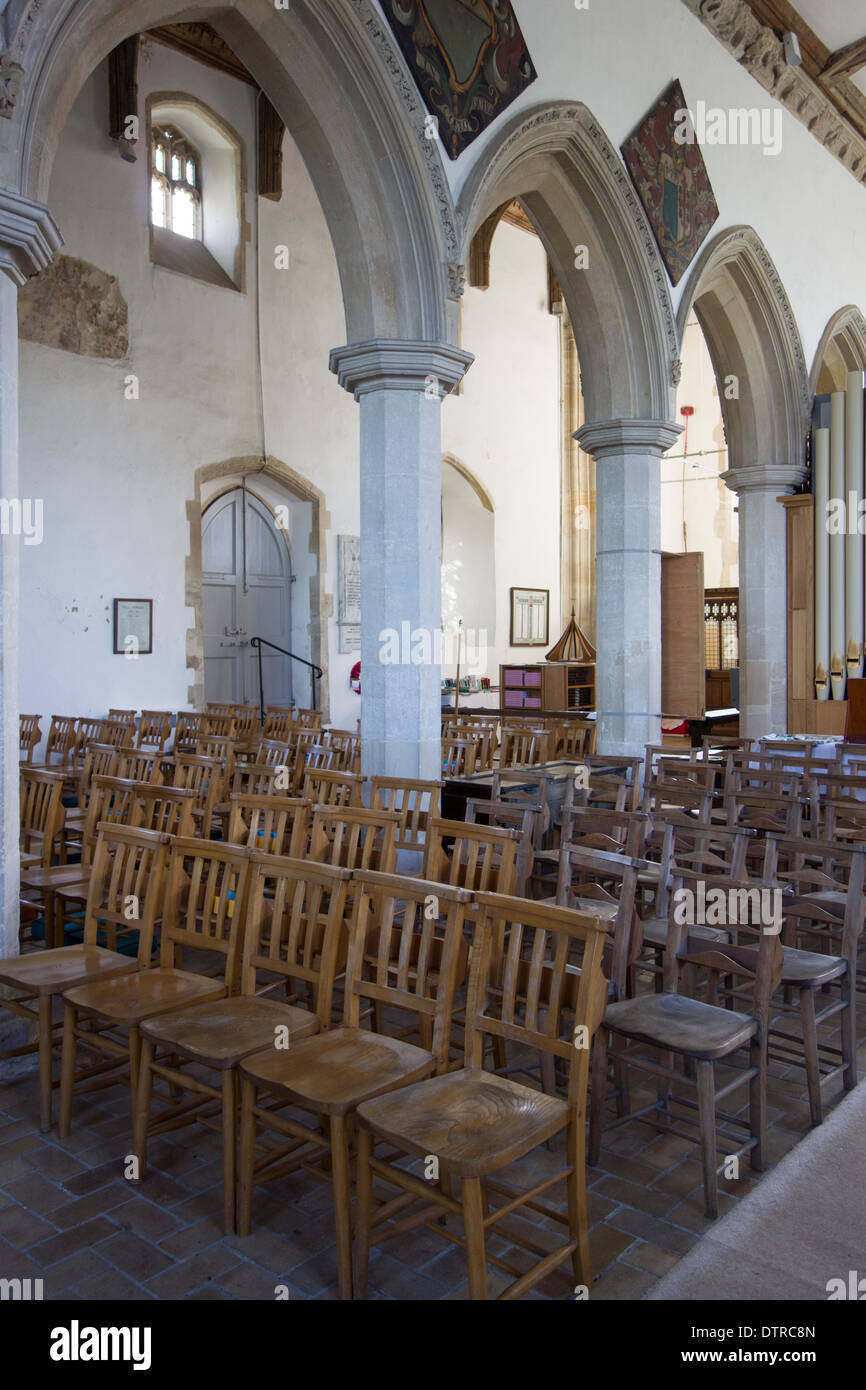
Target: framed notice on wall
133, 626
529, 617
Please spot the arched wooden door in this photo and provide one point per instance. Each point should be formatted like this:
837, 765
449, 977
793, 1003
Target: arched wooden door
246, 593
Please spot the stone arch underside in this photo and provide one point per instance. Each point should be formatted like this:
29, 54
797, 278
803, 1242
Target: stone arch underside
842, 349
319, 67
755, 348
571, 182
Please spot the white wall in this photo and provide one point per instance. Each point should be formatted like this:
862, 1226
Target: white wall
504, 427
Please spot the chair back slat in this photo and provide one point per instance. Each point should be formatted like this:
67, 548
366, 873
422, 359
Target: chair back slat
415, 801
482, 859
125, 888
273, 824
350, 837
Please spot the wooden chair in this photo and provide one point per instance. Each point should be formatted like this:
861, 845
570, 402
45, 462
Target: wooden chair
765, 811
399, 955
123, 716
260, 779
272, 824
680, 803
482, 859
88, 731
568, 739
681, 772
29, 736
477, 1123
41, 816
415, 801
116, 732
170, 810
293, 936
188, 731
350, 837
326, 787
154, 729
523, 747
604, 884
139, 764
204, 776
656, 751
204, 906
703, 1035
279, 723
458, 757
319, 757
219, 725
347, 747
127, 864
525, 819
308, 718
274, 753
61, 743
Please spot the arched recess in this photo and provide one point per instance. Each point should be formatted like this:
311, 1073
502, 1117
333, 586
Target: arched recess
842, 349
557, 161
752, 336
388, 219
468, 561
321, 602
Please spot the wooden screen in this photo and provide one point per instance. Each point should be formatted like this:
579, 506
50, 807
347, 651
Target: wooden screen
683, 636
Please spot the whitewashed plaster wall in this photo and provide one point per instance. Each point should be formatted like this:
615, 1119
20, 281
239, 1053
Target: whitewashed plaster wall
800, 202
504, 427
698, 510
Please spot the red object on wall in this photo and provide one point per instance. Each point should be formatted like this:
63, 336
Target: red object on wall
355, 677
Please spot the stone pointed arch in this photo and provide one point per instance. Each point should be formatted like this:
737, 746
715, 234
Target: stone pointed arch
319, 66
842, 349
556, 159
474, 482
752, 335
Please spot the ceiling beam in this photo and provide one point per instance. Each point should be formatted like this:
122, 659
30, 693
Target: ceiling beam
845, 60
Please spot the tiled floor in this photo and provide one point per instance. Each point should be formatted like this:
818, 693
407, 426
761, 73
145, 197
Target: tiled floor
69, 1217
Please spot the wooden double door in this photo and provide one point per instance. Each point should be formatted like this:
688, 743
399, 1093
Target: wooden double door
246, 593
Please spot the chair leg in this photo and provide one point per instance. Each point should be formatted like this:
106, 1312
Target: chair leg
706, 1085
758, 1104
134, 1064
67, 1071
621, 1078
45, 1062
141, 1118
246, 1157
363, 1211
342, 1183
597, 1095
230, 1120
473, 1217
578, 1223
848, 1029
810, 1054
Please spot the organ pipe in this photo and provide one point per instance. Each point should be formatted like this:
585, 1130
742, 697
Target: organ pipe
821, 490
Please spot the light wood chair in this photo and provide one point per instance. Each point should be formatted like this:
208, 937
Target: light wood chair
458, 757
29, 736
523, 747
525, 819
416, 802
219, 725
61, 743
41, 816
293, 937
154, 729
347, 747
272, 824
275, 753
476, 1123
327, 787
204, 907
206, 777
188, 731
350, 837
139, 764
127, 863
400, 954
482, 858
704, 1035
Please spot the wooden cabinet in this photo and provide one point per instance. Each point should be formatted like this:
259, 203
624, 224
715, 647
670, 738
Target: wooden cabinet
548, 686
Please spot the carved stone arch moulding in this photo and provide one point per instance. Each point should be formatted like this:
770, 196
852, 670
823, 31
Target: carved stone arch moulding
569, 136
771, 313
845, 339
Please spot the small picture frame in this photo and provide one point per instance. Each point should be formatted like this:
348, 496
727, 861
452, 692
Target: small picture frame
529, 617
133, 626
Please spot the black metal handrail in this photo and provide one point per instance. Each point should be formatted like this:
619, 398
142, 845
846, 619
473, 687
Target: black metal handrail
317, 672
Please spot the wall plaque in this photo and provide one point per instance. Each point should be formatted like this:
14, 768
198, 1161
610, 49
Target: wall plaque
349, 592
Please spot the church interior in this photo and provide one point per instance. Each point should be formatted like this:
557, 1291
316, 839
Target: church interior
432, 637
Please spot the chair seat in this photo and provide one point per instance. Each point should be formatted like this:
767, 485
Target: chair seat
223, 1032
51, 972
133, 998
809, 967
58, 876
655, 932
474, 1121
334, 1071
827, 898
674, 1022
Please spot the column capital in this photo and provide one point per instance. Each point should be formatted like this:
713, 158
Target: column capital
606, 438
29, 237
395, 364
764, 477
